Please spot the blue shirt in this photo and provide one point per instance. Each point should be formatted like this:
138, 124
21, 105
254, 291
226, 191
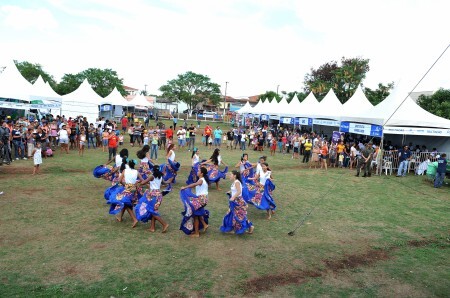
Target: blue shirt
218, 133
404, 155
442, 165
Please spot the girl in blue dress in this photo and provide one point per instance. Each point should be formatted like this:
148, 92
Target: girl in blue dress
258, 191
236, 219
148, 205
146, 164
195, 216
127, 195
212, 165
171, 168
195, 158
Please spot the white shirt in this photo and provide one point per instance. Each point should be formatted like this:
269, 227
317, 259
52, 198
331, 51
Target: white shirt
234, 189
181, 133
195, 159
155, 183
63, 135
172, 155
202, 189
264, 176
242, 166
118, 160
258, 168
130, 176
243, 136
353, 151
219, 160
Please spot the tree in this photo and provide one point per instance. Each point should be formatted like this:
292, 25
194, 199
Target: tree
344, 79
437, 104
378, 95
32, 71
300, 96
192, 89
102, 81
269, 95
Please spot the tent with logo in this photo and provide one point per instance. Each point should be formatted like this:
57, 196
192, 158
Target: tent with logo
13, 86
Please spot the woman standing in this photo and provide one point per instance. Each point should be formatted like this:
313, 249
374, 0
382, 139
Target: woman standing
154, 143
324, 155
258, 191
212, 164
315, 156
128, 194
236, 218
171, 168
64, 139
195, 216
149, 203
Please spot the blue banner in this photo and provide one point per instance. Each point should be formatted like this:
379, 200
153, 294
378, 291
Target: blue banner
105, 108
264, 117
363, 129
305, 121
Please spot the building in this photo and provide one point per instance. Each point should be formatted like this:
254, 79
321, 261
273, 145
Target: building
130, 90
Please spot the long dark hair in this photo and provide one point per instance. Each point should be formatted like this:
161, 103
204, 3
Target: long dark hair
123, 153
156, 172
242, 157
193, 152
170, 147
123, 165
215, 156
237, 174
131, 164
267, 165
204, 171
141, 153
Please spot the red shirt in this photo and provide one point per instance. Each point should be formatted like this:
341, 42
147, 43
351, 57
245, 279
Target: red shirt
324, 150
169, 133
112, 141
208, 130
124, 122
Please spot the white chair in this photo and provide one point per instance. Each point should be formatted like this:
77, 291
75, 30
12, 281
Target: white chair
387, 167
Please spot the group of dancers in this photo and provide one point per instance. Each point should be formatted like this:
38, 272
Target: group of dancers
138, 188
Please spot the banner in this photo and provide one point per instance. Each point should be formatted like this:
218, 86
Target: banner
305, 121
274, 117
419, 131
264, 117
286, 120
27, 106
325, 122
337, 136
362, 129
105, 108
249, 115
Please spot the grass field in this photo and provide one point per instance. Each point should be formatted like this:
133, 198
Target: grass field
378, 236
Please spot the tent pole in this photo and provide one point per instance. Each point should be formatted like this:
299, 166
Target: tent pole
380, 156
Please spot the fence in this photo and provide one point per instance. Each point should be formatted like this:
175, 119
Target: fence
418, 163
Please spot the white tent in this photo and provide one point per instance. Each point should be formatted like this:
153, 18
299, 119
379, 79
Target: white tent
309, 107
357, 103
83, 101
280, 109
256, 110
43, 91
116, 99
13, 85
330, 107
247, 108
293, 106
140, 101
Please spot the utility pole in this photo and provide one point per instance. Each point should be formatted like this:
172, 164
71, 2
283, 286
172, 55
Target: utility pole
225, 100
145, 89
277, 88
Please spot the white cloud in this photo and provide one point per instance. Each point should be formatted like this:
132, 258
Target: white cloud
19, 18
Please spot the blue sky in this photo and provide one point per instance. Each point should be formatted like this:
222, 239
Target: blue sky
255, 45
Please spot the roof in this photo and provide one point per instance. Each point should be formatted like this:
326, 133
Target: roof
415, 95
127, 88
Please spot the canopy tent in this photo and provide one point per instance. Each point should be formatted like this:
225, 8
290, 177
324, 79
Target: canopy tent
280, 108
247, 108
83, 101
43, 91
13, 85
309, 108
116, 99
140, 101
358, 102
330, 107
256, 109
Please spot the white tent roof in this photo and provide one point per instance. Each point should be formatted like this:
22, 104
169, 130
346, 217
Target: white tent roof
13, 84
266, 107
309, 107
358, 102
330, 107
116, 99
42, 90
247, 108
281, 108
140, 100
294, 105
84, 93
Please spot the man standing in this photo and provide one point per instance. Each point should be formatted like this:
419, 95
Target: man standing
175, 120
218, 137
440, 173
192, 131
124, 123
169, 133
405, 156
4, 141
181, 135
367, 154
361, 161
162, 137
230, 138
113, 142
207, 133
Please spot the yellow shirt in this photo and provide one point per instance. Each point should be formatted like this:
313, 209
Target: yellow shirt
308, 146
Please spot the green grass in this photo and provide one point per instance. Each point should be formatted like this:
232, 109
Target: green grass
57, 239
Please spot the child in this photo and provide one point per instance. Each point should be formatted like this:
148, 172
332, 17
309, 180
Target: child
145, 138
341, 160
333, 155
120, 139
49, 152
203, 139
273, 146
37, 157
105, 137
82, 142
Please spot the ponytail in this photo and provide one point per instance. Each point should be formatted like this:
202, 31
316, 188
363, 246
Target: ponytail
123, 165
156, 172
238, 175
204, 171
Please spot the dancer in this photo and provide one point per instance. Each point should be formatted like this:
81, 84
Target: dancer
258, 191
212, 164
236, 219
146, 165
171, 168
195, 216
128, 194
245, 168
147, 207
195, 158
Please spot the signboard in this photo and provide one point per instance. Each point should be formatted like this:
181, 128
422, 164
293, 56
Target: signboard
264, 117
305, 121
420, 131
274, 117
249, 115
286, 120
200, 115
325, 122
363, 129
105, 108
337, 136
27, 106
